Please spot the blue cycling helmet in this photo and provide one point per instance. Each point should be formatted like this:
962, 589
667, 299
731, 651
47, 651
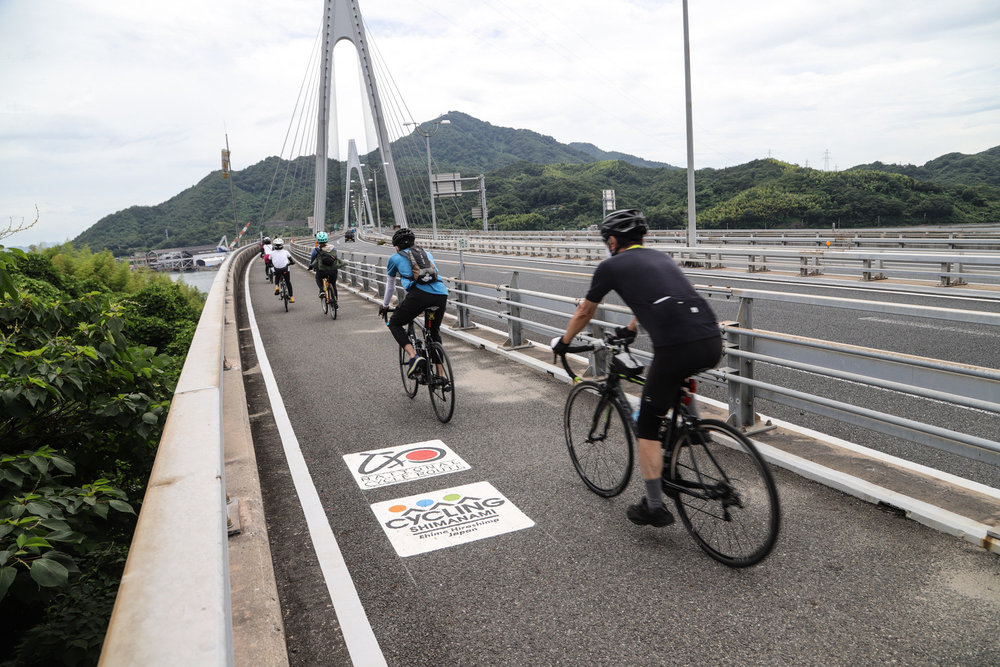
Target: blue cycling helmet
322, 237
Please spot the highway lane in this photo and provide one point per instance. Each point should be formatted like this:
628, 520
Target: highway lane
847, 583
964, 343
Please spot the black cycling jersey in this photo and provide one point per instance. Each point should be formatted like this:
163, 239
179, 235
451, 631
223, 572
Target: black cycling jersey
658, 293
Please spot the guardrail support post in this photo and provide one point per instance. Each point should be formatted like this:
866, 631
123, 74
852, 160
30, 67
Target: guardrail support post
741, 396
376, 273
946, 279
598, 358
463, 297
515, 332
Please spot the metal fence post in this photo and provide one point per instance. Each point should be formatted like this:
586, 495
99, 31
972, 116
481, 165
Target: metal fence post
741, 396
515, 332
376, 272
463, 297
598, 358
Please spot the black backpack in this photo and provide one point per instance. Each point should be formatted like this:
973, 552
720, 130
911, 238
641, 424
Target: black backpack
326, 260
423, 269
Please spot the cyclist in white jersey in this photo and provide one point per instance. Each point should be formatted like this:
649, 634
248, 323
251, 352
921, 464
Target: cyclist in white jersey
282, 261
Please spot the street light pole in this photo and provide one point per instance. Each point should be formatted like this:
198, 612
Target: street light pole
692, 218
427, 134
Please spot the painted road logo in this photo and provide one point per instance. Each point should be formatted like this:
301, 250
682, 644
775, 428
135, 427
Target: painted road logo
430, 521
393, 465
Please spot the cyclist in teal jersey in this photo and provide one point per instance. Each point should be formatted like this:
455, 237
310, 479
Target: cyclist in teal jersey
419, 297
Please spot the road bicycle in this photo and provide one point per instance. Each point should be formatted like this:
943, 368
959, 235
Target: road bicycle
720, 484
283, 290
436, 374
328, 299
268, 272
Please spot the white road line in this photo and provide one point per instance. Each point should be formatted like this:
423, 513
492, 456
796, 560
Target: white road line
357, 631
924, 325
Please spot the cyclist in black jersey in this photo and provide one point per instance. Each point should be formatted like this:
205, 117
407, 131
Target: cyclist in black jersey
682, 328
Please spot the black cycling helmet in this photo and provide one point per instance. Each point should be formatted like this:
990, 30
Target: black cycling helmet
628, 223
403, 238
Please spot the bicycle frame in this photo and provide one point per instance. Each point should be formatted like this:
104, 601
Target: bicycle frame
439, 379
673, 425
724, 493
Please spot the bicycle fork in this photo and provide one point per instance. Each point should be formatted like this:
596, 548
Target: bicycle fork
601, 421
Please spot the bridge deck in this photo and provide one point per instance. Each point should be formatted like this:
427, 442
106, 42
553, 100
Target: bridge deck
580, 583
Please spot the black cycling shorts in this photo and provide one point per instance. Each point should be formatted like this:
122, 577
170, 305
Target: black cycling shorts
670, 366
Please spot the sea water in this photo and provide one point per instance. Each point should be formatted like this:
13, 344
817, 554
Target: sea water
202, 280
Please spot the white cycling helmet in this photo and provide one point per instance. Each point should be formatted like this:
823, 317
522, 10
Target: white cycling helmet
278, 243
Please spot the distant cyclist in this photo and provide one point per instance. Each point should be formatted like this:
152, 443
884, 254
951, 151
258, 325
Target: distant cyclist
419, 297
265, 252
681, 325
325, 261
282, 261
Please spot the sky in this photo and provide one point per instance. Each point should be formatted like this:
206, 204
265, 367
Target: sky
110, 104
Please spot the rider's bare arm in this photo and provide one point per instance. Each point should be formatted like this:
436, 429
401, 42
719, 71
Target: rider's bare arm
584, 313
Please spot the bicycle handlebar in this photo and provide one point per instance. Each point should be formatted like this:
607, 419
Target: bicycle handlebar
610, 340
562, 358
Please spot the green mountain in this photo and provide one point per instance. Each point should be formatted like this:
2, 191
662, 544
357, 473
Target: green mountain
535, 182
979, 169
595, 152
478, 147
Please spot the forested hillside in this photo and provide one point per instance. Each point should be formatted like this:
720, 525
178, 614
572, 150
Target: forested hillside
979, 169
534, 182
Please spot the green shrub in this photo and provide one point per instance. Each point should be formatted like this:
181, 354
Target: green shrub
84, 390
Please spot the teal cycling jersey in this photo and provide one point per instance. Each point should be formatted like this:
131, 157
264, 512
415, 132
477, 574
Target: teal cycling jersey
399, 265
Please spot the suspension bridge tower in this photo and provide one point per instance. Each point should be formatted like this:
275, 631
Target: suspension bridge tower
342, 20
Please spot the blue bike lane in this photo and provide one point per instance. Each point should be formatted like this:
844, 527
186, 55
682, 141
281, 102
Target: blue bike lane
475, 541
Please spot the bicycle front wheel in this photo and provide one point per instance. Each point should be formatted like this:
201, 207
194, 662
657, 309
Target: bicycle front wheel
599, 438
410, 384
441, 383
728, 500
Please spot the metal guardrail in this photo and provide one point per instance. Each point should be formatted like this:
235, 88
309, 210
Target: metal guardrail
945, 239
956, 267
173, 604
969, 387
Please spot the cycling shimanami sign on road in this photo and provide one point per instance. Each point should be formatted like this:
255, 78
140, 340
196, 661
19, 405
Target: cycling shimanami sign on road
447, 517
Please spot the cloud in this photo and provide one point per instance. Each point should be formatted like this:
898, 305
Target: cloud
112, 104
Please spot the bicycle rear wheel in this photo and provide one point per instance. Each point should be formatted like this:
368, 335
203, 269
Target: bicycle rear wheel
599, 439
333, 303
326, 302
410, 384
730, 504
284, 293
441, 385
